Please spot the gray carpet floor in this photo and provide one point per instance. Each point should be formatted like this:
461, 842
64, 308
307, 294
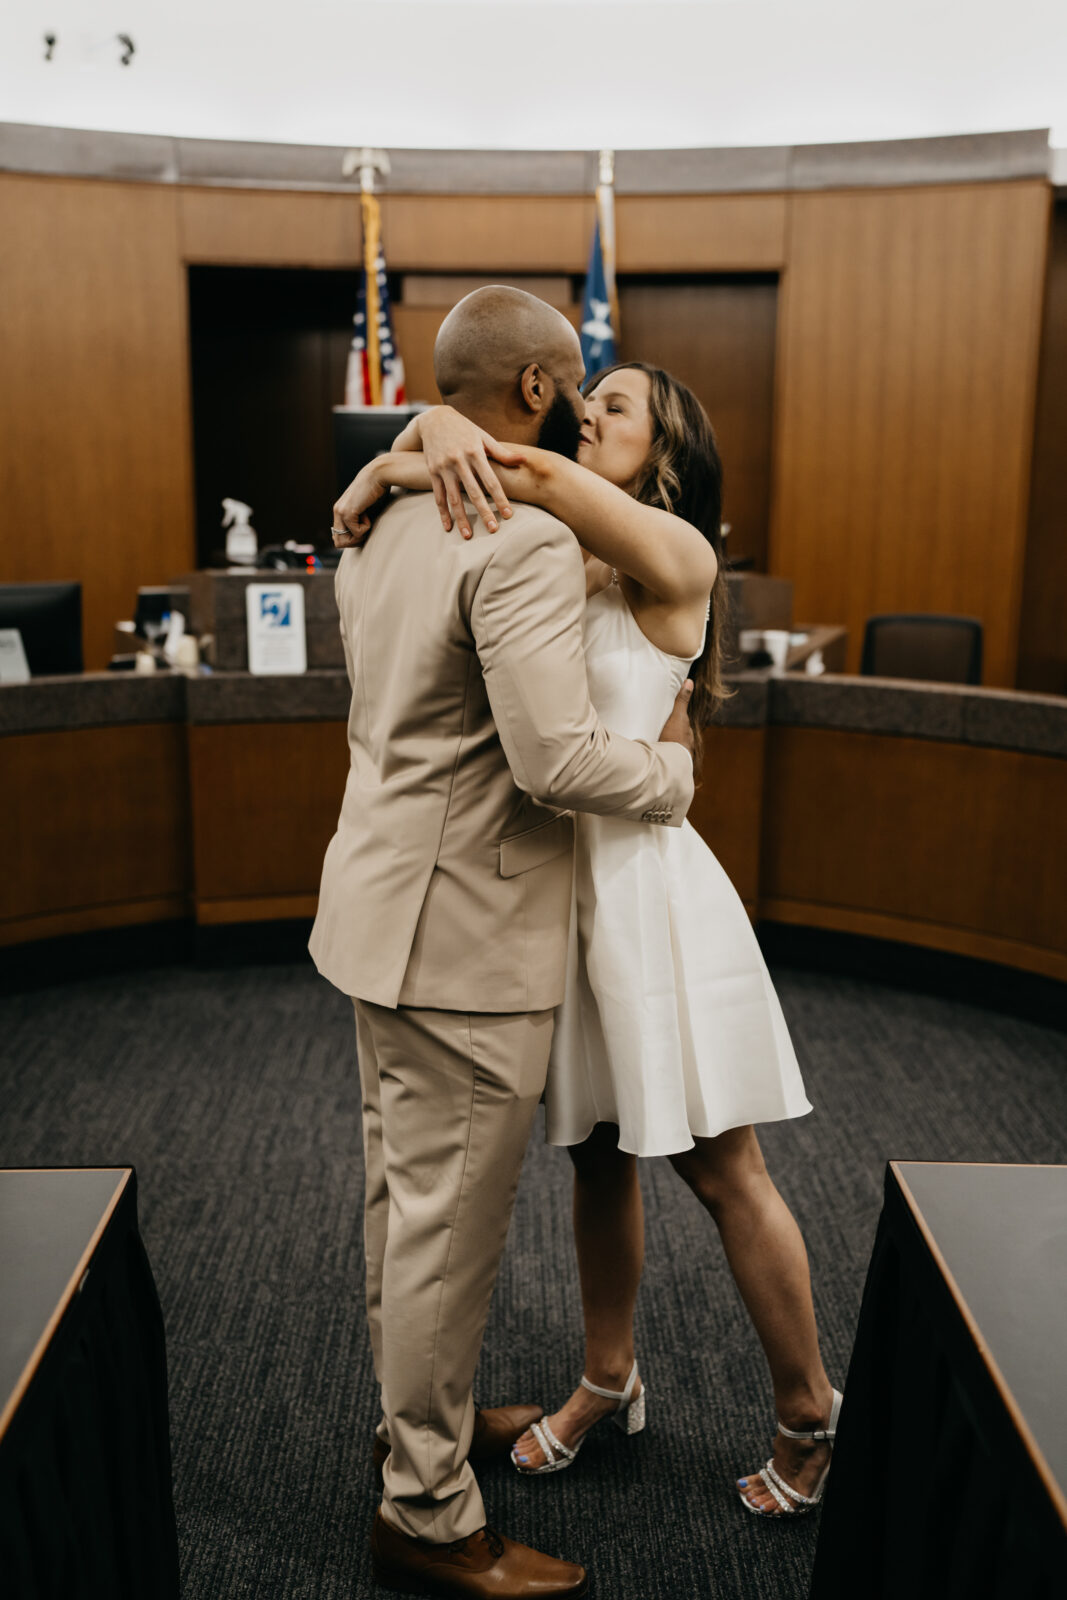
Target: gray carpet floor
234, 1093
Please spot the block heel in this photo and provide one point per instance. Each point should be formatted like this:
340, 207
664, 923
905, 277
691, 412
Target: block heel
629, 1415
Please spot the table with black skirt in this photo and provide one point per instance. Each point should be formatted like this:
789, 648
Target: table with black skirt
86, 1506
949, 1476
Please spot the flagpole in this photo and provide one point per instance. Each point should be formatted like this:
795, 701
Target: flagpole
605, 207
370, 162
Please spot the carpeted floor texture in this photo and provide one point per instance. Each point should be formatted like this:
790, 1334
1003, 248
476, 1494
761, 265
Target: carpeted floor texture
235, 1095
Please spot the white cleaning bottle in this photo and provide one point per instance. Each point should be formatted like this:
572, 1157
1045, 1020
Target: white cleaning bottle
241, 546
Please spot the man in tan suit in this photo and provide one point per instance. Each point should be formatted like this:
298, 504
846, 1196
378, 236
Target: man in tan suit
444, 913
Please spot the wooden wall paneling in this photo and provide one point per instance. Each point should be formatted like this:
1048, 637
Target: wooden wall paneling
955, 847
727, 807
908, 326
445, 289
265, 802
416, 329
487, 233
421, 233
97, 825
1043, 619
250, 227
95, 451
718, 336
700, 233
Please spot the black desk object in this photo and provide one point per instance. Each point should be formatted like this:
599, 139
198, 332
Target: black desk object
86, 1509
949, 1479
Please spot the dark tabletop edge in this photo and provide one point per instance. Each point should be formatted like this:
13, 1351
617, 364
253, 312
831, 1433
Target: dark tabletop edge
946, 713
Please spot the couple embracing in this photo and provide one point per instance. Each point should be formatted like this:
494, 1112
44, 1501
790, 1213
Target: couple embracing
519, 911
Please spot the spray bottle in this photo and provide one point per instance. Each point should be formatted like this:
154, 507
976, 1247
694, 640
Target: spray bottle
241, 546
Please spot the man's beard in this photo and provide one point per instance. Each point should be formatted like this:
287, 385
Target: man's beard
561, 430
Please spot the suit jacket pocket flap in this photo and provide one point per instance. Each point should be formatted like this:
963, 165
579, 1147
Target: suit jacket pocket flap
522, 851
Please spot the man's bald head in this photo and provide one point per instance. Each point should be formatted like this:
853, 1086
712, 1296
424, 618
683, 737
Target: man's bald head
490, 341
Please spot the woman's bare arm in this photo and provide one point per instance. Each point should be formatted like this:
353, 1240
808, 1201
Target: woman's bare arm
666, 557
664, 554
409, 438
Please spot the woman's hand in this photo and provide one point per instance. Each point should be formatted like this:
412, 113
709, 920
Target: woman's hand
457, 454
353, 513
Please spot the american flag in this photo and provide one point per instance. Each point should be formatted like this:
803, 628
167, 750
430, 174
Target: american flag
375, 375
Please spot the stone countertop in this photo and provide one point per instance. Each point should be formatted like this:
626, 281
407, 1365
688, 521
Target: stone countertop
950, 713
321, 696
93, 700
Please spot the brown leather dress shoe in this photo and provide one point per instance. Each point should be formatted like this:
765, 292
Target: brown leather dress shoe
497, 1428
495, 1431
486, 1566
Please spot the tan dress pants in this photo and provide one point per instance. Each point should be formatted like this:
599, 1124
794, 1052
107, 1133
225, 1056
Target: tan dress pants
448, 1101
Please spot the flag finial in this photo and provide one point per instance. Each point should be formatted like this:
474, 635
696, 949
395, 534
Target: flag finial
607, 167
366, 162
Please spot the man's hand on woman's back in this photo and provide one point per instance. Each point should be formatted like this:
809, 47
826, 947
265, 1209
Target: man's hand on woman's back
678, 729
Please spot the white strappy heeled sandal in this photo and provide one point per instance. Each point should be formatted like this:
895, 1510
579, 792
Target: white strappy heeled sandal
790, 1501
629, 1415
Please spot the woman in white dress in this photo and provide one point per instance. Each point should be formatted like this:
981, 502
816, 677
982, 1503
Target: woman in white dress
670, 1041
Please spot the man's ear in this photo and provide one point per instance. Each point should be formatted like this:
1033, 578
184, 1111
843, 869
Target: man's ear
533, 386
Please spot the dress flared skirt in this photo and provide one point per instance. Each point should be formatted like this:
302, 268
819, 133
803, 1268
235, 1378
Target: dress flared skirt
670, 1026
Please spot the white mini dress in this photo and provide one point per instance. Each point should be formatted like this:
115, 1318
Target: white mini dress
670, 1026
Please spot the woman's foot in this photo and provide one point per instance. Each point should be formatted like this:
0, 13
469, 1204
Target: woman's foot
572, 1421
798, 1462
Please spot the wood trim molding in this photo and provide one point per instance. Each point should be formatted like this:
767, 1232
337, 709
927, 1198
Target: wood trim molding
93, 919
256, 908
928, 935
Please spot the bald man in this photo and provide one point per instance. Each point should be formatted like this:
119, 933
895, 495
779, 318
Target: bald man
444, 913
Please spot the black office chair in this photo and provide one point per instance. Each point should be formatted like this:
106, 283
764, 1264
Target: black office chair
933, 648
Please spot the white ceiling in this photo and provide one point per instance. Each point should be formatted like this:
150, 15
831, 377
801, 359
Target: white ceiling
552, 74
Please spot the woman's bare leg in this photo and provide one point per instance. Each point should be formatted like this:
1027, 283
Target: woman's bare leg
609, 1235
766, 1254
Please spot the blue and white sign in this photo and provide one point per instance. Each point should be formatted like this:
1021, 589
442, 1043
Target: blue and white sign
277, 639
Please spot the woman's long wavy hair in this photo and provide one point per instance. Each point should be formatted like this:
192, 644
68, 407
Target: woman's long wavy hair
683, 474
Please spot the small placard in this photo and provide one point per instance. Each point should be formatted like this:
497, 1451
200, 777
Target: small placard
277, 641
14, 668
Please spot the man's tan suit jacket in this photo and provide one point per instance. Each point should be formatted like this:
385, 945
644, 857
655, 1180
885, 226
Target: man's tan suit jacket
472, 736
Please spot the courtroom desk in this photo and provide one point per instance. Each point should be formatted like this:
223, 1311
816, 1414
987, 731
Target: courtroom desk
268, 761
94, 804
266, 794
928, 814
86, 1510
949, 1477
